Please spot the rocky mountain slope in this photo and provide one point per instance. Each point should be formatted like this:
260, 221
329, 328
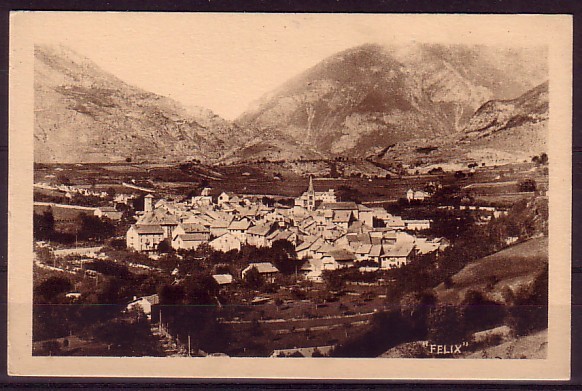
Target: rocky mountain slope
499, 131
84, 114
373, 96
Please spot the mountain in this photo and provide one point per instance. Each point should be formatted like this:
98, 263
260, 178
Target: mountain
372, 96
525, 117
84, 114
500, 131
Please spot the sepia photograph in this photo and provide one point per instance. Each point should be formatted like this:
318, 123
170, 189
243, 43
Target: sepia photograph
205, 187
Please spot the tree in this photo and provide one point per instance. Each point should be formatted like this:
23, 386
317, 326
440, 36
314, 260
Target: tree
445, 325
44, 225
52, 287
480, 313
284, 257
92, 227
171, 294
165, 246
201, 289
254, 279
333, 279
111, 192
460, 174
118, 244
527, 185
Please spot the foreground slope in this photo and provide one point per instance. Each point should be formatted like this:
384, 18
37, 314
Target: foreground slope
514, 267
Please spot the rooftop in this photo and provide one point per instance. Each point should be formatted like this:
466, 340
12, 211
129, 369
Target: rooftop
145, 229
263, 267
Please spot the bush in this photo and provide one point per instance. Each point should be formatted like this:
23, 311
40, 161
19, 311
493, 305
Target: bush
52, 287
527, 185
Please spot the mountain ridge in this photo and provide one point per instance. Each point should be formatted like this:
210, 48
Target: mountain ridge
85, 114
374, 96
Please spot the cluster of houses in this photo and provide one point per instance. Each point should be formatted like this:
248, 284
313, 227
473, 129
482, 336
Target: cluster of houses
327, 233
70, 190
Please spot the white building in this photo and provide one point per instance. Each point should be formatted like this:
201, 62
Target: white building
226, 242
144, 238
308, 199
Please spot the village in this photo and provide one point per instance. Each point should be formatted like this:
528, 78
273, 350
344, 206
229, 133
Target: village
327, 234
264, 275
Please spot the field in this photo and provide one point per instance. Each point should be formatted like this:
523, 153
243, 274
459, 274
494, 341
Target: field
300, 323
260, 179
62, 214
514, 266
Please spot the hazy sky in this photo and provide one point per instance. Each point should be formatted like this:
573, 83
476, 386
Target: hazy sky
225, 61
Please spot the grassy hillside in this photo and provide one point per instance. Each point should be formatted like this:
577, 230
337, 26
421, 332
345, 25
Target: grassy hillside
513, 267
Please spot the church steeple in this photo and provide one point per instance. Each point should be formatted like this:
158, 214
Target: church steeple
310, 195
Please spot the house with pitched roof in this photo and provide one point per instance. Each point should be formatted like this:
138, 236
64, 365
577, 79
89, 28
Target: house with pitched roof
343, 218
265, 269
257, 235
239, 228
144, 238
189, 241
219, 227
417, 225
308, 248
397, 255
366, 215
226, 242
225, 197
287, 235
160, 217
222, 279
340, 257
109, 212
191, 228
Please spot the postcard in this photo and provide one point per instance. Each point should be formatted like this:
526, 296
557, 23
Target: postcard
290, 196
